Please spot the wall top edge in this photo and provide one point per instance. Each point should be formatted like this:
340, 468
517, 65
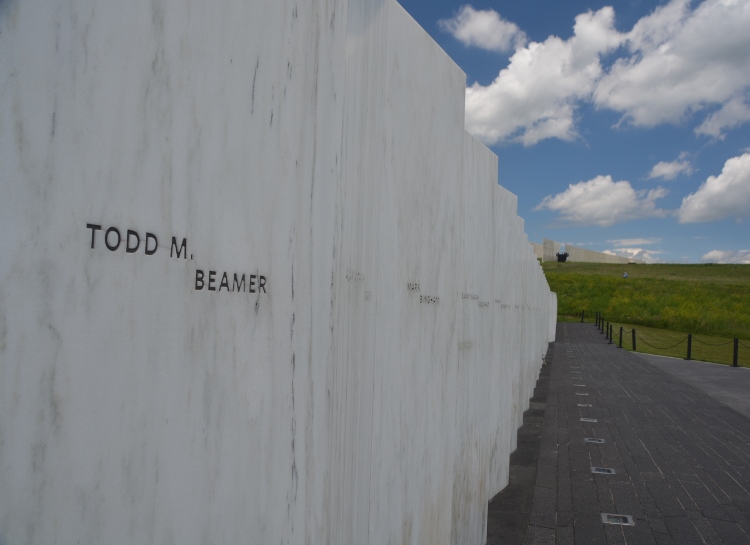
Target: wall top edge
398, 6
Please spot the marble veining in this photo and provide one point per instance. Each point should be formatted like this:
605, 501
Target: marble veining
257, 284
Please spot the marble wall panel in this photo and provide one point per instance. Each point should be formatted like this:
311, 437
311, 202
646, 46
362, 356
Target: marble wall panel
550, 249
474, 410
353, 360
538, 250
506, 346
316, 148
416, 433
135, 407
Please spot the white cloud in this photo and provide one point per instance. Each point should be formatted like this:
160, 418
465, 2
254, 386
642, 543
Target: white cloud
681, 61
485, 29
669, 170
649, 256
727, 256
634, 241
723, 196
535, 97
603, 202
732, 114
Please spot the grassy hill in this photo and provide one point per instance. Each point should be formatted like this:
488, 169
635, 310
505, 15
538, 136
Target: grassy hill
710, 299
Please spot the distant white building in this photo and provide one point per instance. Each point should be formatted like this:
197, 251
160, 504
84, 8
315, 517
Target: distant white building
548, 250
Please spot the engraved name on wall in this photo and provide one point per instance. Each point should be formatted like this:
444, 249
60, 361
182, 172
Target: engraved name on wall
209, 280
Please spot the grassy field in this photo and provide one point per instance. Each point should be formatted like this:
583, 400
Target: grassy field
709, 299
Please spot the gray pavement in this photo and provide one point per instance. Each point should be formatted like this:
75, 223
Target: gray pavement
729, 385
681, 457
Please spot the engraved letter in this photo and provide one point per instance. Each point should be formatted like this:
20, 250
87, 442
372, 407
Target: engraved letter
180, 249
224, 282
198, 280
251, 285
239, 286
262, 284
128, 248
211, 280
94, 229
150, 236
106, 239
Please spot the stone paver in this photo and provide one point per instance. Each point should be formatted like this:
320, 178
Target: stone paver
730, 385
681, 457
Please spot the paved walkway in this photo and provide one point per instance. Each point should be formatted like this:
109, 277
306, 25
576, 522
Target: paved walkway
730, 385
681, 457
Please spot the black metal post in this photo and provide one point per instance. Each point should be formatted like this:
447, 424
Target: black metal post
736, 352
690, 346
606, 331
611, 327
597, 320
633, 339
583, 314
620, 336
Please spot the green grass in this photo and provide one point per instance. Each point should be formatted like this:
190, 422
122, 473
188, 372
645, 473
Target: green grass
709, 272
712, 300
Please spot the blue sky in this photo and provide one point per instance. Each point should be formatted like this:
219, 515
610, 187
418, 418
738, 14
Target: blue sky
621, 126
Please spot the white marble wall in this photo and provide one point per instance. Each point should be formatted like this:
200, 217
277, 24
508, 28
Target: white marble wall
370, 394
550, 249
538, 250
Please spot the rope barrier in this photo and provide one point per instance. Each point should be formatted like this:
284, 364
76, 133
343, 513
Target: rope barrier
630, 332
658, 347
713, 344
